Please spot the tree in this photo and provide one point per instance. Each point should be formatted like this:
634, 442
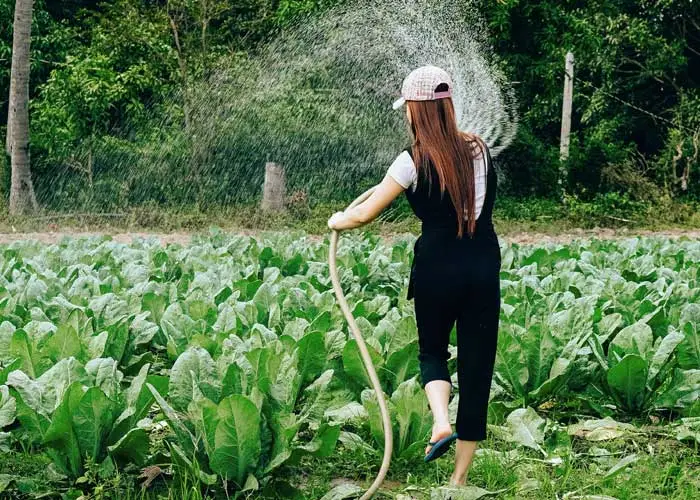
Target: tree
22, 197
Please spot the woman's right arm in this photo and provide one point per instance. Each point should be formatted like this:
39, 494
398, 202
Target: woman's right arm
368, 210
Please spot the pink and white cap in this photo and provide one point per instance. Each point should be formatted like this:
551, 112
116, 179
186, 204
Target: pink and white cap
421, 83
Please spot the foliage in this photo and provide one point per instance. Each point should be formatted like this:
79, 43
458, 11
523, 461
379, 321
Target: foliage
104, 86
640, 53
229, 360
124, 74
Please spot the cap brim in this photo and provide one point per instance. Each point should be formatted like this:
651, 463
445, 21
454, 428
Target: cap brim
398, 103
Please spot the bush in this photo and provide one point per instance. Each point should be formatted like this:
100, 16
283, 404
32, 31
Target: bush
529, 167
612, 208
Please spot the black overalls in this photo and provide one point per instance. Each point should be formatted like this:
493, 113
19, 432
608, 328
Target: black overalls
457, 280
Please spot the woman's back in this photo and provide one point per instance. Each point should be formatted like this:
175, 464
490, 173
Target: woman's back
435, 208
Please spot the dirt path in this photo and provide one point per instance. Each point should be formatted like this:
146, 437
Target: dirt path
523, 238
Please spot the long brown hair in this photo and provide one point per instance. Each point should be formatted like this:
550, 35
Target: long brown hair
438, 140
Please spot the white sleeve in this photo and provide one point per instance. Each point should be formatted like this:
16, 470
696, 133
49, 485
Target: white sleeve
403, 170
480, 166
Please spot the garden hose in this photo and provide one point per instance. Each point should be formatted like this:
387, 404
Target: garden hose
366, 359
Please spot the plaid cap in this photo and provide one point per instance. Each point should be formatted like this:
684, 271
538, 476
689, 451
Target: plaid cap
421, 83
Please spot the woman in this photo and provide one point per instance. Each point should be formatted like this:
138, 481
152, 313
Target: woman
456, 263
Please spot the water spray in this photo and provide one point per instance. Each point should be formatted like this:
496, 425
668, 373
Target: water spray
366, 358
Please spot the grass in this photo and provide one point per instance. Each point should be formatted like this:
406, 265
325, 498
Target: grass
511, 216
664, 469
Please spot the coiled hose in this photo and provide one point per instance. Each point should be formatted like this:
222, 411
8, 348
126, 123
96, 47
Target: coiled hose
366, 359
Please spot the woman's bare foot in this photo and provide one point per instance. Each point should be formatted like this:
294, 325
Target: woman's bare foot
440, 430
454, 481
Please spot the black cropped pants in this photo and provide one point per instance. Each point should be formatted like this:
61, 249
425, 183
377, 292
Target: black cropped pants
459, 282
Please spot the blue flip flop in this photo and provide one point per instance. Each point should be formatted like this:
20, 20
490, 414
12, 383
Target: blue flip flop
439, 448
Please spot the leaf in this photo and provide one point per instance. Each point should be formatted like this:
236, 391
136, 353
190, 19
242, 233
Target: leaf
61, 435
8, 407
401, 365
7, 330
335, 341
321, 323
296, 328
22, 349
131, 448
511, 367
237, 439
96, 345
627, 380
6, 480
64, 343
285, 389
410, 410
459, 493
607, 326
619, 466
312, 356
233, 381
194, 367
5, 371
264, 299
103, 373
137, 388
33, 423
138, 402
663, 353
343, 491
149, 474
353, 364
526, 428
118, 336
688, 429
177, 328
682, 392
634, 339
323, 443
540, 351
351, 411
600, 430
371, 405
92, 421
689, 350
317, 398
395, 332
284, 428
44, 394
352, 441
251, 484
184, 436
155, 304
265, 363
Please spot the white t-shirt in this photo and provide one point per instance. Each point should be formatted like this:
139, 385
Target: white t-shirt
403, 171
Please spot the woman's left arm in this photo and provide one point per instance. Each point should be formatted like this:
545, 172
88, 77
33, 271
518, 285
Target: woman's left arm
368, 210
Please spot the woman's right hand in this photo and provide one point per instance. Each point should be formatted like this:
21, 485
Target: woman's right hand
335, 220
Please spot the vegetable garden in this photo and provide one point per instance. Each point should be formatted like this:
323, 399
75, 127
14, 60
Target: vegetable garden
226, 364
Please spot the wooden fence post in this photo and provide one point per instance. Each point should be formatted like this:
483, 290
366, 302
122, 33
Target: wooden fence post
566, 119
274, 189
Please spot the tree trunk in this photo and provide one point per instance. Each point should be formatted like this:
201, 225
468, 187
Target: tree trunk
8, 138
22, 197
182, 63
